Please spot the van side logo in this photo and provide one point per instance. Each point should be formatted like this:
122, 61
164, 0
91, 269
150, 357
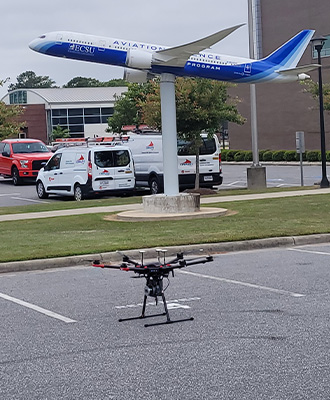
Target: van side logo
187, 162
150, 146
80, 160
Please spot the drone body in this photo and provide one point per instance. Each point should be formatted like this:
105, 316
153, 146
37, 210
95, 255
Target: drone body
154, 273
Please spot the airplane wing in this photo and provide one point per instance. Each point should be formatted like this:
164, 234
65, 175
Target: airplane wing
298, 70
178, 56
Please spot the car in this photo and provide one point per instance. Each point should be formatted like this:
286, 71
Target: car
83, 171
21, 159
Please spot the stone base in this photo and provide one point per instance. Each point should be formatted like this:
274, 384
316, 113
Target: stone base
256, 178
163, 204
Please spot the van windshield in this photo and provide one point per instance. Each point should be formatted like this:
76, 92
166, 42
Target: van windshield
107, 159
185, 147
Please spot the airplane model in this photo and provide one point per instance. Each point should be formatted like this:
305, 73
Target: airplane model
142, 61
154, 273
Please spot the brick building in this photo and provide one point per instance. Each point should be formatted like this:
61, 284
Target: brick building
283, 109
83, 111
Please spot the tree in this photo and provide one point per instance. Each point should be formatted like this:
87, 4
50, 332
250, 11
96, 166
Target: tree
59, 132
9, 125
116, 83
29, 79
80, 81
128, 106
313, 88
201, 105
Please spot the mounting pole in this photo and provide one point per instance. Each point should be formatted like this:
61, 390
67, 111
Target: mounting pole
169, 134
256, 174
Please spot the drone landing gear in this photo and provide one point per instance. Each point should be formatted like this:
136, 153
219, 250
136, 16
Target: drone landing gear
168, 319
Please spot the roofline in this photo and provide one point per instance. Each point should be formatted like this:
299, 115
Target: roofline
27, 90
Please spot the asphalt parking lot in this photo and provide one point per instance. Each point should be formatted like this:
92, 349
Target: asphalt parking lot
260, 331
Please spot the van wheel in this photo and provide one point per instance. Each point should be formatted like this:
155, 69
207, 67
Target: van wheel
41, 191
154, 185
16, 178
78, 193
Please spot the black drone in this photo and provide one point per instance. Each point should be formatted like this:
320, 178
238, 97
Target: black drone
155, 272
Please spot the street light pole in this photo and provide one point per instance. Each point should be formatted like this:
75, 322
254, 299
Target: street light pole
318, 44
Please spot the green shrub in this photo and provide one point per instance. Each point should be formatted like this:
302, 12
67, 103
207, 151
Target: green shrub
248, 156
327, 154
224, 154
278, 155
267, 156
230, 155
261, 154
313, 155
290, 155
239, 156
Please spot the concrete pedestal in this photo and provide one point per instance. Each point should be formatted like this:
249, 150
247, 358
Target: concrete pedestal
163, 204
256, 177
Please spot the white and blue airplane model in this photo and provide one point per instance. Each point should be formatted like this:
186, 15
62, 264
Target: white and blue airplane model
142, 60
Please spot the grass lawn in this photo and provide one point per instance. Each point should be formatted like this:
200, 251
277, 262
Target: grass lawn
63, 236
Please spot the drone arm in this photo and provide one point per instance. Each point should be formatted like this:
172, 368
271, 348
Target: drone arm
99, 265
197, 261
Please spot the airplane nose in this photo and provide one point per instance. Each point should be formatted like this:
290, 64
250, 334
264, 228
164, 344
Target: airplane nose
33, 44
37, 43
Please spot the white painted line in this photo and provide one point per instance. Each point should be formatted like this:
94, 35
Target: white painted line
9, 194
174, 303
34, 201
311, 251
251, 285
37, 308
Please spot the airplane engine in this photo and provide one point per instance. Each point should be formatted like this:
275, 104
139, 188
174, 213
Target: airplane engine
138, 59
136, 76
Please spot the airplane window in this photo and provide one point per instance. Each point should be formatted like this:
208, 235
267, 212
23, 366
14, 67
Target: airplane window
42, 37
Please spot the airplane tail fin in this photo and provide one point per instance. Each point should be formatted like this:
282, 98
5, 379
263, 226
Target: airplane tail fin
288, 55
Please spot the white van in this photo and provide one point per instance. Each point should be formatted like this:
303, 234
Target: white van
148, 161
81, 171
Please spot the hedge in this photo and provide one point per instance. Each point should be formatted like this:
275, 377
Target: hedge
272, 155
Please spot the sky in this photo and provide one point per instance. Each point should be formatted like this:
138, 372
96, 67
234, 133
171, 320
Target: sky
171, 23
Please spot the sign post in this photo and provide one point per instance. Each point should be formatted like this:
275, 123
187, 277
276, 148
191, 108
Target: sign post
300, 148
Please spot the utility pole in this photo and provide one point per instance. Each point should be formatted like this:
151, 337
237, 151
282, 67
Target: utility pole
256, 174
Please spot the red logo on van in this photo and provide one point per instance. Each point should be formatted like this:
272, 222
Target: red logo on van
187, 162
150, 146
80, 160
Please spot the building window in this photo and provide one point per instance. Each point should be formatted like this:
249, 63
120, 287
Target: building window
325, 52
73, 112
74, 119
19, 97
92, 111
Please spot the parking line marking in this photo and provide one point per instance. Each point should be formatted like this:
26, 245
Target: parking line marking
34, 201
37, 308
251, 285
9, 194
311, 251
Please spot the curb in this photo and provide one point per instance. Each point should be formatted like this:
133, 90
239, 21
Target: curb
210, 248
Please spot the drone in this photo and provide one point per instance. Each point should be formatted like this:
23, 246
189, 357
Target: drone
154, 273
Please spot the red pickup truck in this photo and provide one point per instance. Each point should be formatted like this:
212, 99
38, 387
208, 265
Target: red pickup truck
22, 158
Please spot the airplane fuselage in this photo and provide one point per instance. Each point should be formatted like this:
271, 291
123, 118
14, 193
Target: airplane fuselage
147, 58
